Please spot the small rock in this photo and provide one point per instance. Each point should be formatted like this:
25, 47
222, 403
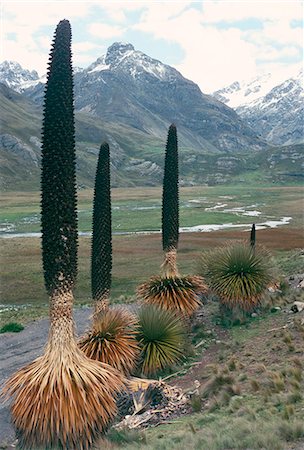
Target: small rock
297, 307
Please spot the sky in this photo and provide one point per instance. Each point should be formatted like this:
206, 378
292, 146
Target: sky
211, 42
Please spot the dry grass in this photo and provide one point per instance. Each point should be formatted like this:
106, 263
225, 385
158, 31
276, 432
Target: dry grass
113, 340
177, 294
62, 399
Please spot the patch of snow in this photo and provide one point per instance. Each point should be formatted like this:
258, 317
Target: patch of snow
217, 206
100, 68
251, 213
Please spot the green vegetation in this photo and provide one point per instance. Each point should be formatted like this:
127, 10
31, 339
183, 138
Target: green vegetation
136, 209
237, 274
12, 327
250, 389
161, 338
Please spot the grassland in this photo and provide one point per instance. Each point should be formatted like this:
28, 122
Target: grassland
139, 209
137, 257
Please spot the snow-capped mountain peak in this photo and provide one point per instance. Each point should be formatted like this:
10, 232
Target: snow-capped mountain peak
241, 93
270, 103
123, 57
14, 76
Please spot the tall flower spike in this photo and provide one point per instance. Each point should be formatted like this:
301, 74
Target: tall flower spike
170, 210
171, 291
101, 264
112, 338
62, 399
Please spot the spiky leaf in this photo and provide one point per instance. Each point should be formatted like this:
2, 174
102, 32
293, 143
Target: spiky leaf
238, 275
161, 338
177, 294
101, 265
58, 180
170, 209
113, 339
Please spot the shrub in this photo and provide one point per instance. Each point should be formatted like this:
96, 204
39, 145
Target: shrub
237, 274
12, 327
161, 338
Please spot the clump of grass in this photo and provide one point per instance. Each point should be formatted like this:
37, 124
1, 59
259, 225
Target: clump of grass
12, 327
290, 431
288, 412
276, 382
121, 437
287, 338
161, 339
294, 397
255, 385
296, 373
196, 403
216, 383
237, 274
232, 363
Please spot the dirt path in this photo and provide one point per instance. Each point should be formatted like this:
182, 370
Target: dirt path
18, 349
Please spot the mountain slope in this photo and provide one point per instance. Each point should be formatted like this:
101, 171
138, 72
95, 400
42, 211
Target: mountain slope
126, 86
129, 100
275, 109
15, 77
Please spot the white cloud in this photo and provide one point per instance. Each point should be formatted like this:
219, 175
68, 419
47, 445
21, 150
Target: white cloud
216, 56
26, 18
105, 31
233, 11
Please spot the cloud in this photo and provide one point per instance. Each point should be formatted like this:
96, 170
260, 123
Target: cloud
218, 47
216, 55
28, 20
105, 31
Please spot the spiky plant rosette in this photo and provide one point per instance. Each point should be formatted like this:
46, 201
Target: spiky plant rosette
62, 399
113, 339
176, 293
237, 274
161, 338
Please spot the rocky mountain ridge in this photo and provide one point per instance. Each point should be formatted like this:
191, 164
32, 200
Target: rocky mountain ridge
129, 99
275, 108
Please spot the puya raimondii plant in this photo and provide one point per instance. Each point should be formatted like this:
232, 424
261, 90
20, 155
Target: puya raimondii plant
171, 291
62, 399
237, 274
112, 338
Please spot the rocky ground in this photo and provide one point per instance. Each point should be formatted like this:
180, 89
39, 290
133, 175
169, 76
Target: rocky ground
251, 355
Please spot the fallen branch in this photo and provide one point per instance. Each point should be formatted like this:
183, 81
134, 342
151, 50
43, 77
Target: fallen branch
277, 329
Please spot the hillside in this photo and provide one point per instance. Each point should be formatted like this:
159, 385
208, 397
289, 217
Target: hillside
130, 99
